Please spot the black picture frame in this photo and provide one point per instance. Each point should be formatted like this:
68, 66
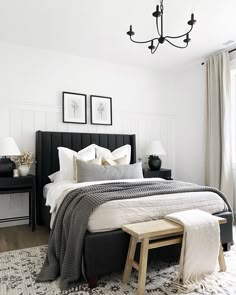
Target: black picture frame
71, 112
104, 103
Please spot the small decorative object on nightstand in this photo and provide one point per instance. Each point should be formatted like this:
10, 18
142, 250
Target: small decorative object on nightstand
154, 150
8, 148
25, 160
162, 173
15, 185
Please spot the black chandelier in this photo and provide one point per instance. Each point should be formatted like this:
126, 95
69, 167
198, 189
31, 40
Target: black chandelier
161, 38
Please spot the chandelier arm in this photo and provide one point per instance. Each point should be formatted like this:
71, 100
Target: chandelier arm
181, 47
155, 48
158, 31
143, 42
176, 37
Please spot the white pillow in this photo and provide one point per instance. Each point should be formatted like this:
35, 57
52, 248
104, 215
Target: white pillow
97, 161
111, 162
66, 160
121, 152
55, 177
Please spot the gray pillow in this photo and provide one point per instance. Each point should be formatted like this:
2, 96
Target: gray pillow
92, 172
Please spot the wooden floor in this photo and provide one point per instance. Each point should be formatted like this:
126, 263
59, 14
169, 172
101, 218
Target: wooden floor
21, 236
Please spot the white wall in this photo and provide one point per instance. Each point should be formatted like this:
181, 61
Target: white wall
186, 93
169, 106
32, 81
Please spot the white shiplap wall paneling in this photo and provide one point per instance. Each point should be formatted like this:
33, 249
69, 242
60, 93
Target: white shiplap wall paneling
21, 121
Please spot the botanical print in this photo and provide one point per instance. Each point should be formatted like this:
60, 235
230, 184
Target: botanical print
101, 110
18, 270
74, 108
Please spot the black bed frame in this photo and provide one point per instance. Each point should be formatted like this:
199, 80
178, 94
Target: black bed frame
104, 252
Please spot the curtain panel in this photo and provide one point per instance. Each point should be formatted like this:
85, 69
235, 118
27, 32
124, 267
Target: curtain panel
218, 172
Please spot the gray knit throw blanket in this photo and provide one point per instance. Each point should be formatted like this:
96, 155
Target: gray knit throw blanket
65, 244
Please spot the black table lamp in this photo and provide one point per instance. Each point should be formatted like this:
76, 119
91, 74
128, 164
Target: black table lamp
8, 148
154, 150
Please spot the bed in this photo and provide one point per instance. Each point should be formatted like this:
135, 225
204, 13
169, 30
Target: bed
104, 251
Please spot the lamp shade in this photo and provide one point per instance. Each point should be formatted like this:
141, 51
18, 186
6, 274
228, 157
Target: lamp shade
155, 148
8, 147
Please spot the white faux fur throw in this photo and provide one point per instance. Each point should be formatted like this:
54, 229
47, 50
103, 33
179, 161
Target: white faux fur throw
200, 246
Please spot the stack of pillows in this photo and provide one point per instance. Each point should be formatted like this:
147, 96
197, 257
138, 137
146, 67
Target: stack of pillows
95, 163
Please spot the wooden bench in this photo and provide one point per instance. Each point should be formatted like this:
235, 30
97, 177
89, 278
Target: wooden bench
154, 234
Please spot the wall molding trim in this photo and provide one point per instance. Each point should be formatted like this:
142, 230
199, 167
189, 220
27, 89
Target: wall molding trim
56, 108
29, 105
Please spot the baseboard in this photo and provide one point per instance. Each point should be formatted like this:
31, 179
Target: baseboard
13, 223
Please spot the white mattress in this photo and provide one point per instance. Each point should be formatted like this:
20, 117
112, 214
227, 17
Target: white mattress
111, 215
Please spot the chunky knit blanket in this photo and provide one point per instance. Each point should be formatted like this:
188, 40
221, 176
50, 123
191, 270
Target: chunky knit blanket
65, 244
200, 245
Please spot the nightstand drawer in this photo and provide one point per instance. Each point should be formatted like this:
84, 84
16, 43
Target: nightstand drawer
14, 182
162, 173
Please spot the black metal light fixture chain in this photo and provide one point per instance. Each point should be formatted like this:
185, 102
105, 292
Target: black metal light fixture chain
161, 5
158, 14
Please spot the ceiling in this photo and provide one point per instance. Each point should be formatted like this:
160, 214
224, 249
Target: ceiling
97, 28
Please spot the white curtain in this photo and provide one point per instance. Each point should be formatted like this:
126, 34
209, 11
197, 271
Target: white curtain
219, 171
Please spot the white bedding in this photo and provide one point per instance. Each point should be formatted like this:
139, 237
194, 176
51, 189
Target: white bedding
113, 214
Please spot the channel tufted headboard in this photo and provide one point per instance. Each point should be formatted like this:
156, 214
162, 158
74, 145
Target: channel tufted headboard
47, 161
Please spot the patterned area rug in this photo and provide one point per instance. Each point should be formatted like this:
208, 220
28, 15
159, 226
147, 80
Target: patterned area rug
19, 268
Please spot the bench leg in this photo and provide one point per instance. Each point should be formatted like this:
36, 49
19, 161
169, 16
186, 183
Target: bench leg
227, 246
129, 260
221, 260
143, 266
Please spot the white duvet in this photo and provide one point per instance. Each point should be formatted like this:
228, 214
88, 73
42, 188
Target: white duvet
113, 214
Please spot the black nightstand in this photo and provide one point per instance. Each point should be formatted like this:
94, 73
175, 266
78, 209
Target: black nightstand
15, 185
162, 173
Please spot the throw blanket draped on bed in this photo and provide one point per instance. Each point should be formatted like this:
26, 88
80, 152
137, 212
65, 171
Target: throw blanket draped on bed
200, 246
66, 238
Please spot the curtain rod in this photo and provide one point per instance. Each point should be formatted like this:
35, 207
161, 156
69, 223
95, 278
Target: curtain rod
232, 50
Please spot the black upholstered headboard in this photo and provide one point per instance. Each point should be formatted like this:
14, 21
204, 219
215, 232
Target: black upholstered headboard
47, 161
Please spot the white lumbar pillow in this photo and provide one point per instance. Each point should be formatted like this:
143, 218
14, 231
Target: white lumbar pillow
66, 160
123, 151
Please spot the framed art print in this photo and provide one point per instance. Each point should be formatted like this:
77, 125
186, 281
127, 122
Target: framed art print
74, 107
101, 110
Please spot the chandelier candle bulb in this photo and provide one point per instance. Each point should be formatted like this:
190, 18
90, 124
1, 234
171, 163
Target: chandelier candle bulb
151, 47
192, 20
187, 40
156, 13
130, 32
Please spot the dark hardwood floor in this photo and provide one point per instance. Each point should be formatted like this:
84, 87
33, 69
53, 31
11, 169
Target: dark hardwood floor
21, 236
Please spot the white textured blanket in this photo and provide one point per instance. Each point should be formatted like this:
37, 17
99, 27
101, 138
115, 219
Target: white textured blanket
111, 215
200, 246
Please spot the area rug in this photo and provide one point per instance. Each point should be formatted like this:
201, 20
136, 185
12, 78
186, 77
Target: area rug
18, 270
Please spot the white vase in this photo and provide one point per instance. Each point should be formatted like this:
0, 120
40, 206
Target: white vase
23, 170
